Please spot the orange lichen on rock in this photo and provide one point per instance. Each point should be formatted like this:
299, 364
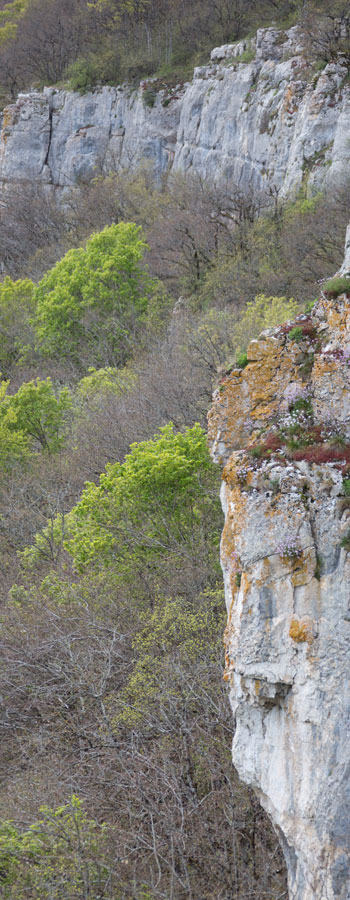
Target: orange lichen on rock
337, 314
254, 393
281, 430
300, 631
229, 663
305, 568
325, 366
7, 121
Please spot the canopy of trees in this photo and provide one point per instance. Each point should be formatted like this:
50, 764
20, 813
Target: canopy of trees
94, 41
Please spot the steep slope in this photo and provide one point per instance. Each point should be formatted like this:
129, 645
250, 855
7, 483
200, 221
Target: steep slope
261, 123
281, 430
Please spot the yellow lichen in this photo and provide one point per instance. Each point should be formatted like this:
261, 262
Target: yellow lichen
254, 394
300, 630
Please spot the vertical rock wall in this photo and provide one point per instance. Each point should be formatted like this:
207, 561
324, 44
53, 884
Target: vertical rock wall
254, 116
281, 430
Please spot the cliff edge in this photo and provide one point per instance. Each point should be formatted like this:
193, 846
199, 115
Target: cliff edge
256, 116
281, 430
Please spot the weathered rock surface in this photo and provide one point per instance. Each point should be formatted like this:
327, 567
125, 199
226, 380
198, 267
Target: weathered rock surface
259, 123
63, 137
287, 584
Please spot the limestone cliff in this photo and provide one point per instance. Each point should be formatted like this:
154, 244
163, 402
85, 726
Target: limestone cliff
266, 122
281, 430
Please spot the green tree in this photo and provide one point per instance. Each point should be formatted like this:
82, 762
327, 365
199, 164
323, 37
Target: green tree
108, 380
91, 304
168, 644
62, 854
9, 16
153, 520
153, 509
14, 445
117, 8
17, 305
39, 414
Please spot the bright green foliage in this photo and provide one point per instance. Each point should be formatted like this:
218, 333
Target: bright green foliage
13, 10
302, 206
39, 414
174, 638
296, 334
9, 16
16, 307
242, 360
95, 297
63, 854
108, 380
14, 445
150, 508
152, 516
265, 312
310, 305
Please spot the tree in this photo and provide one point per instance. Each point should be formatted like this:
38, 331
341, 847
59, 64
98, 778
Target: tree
116, 681
101, 382
62, 854
9, 16
39, 414
150, 512
14, 445
92, 303
327, 31
33, 230
16, 308
40, 38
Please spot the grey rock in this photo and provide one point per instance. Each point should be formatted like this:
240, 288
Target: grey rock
25, 138
345, 269
288, 632
232, 51
290, 698
257, 125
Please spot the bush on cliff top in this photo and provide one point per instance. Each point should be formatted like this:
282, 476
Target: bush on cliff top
337, 286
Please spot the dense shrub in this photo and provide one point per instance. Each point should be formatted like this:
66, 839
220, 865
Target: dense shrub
242, 360
336, 286
296, 334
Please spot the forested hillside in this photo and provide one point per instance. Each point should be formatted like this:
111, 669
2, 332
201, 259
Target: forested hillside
120, 309
91, 42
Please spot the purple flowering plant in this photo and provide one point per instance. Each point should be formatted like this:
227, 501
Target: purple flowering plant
289, 548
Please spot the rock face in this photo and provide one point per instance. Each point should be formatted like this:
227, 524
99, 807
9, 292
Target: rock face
64, 138
281, 430
260, 123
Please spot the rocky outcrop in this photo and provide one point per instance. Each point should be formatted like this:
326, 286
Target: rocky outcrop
65, 138
281, 430
254, 116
